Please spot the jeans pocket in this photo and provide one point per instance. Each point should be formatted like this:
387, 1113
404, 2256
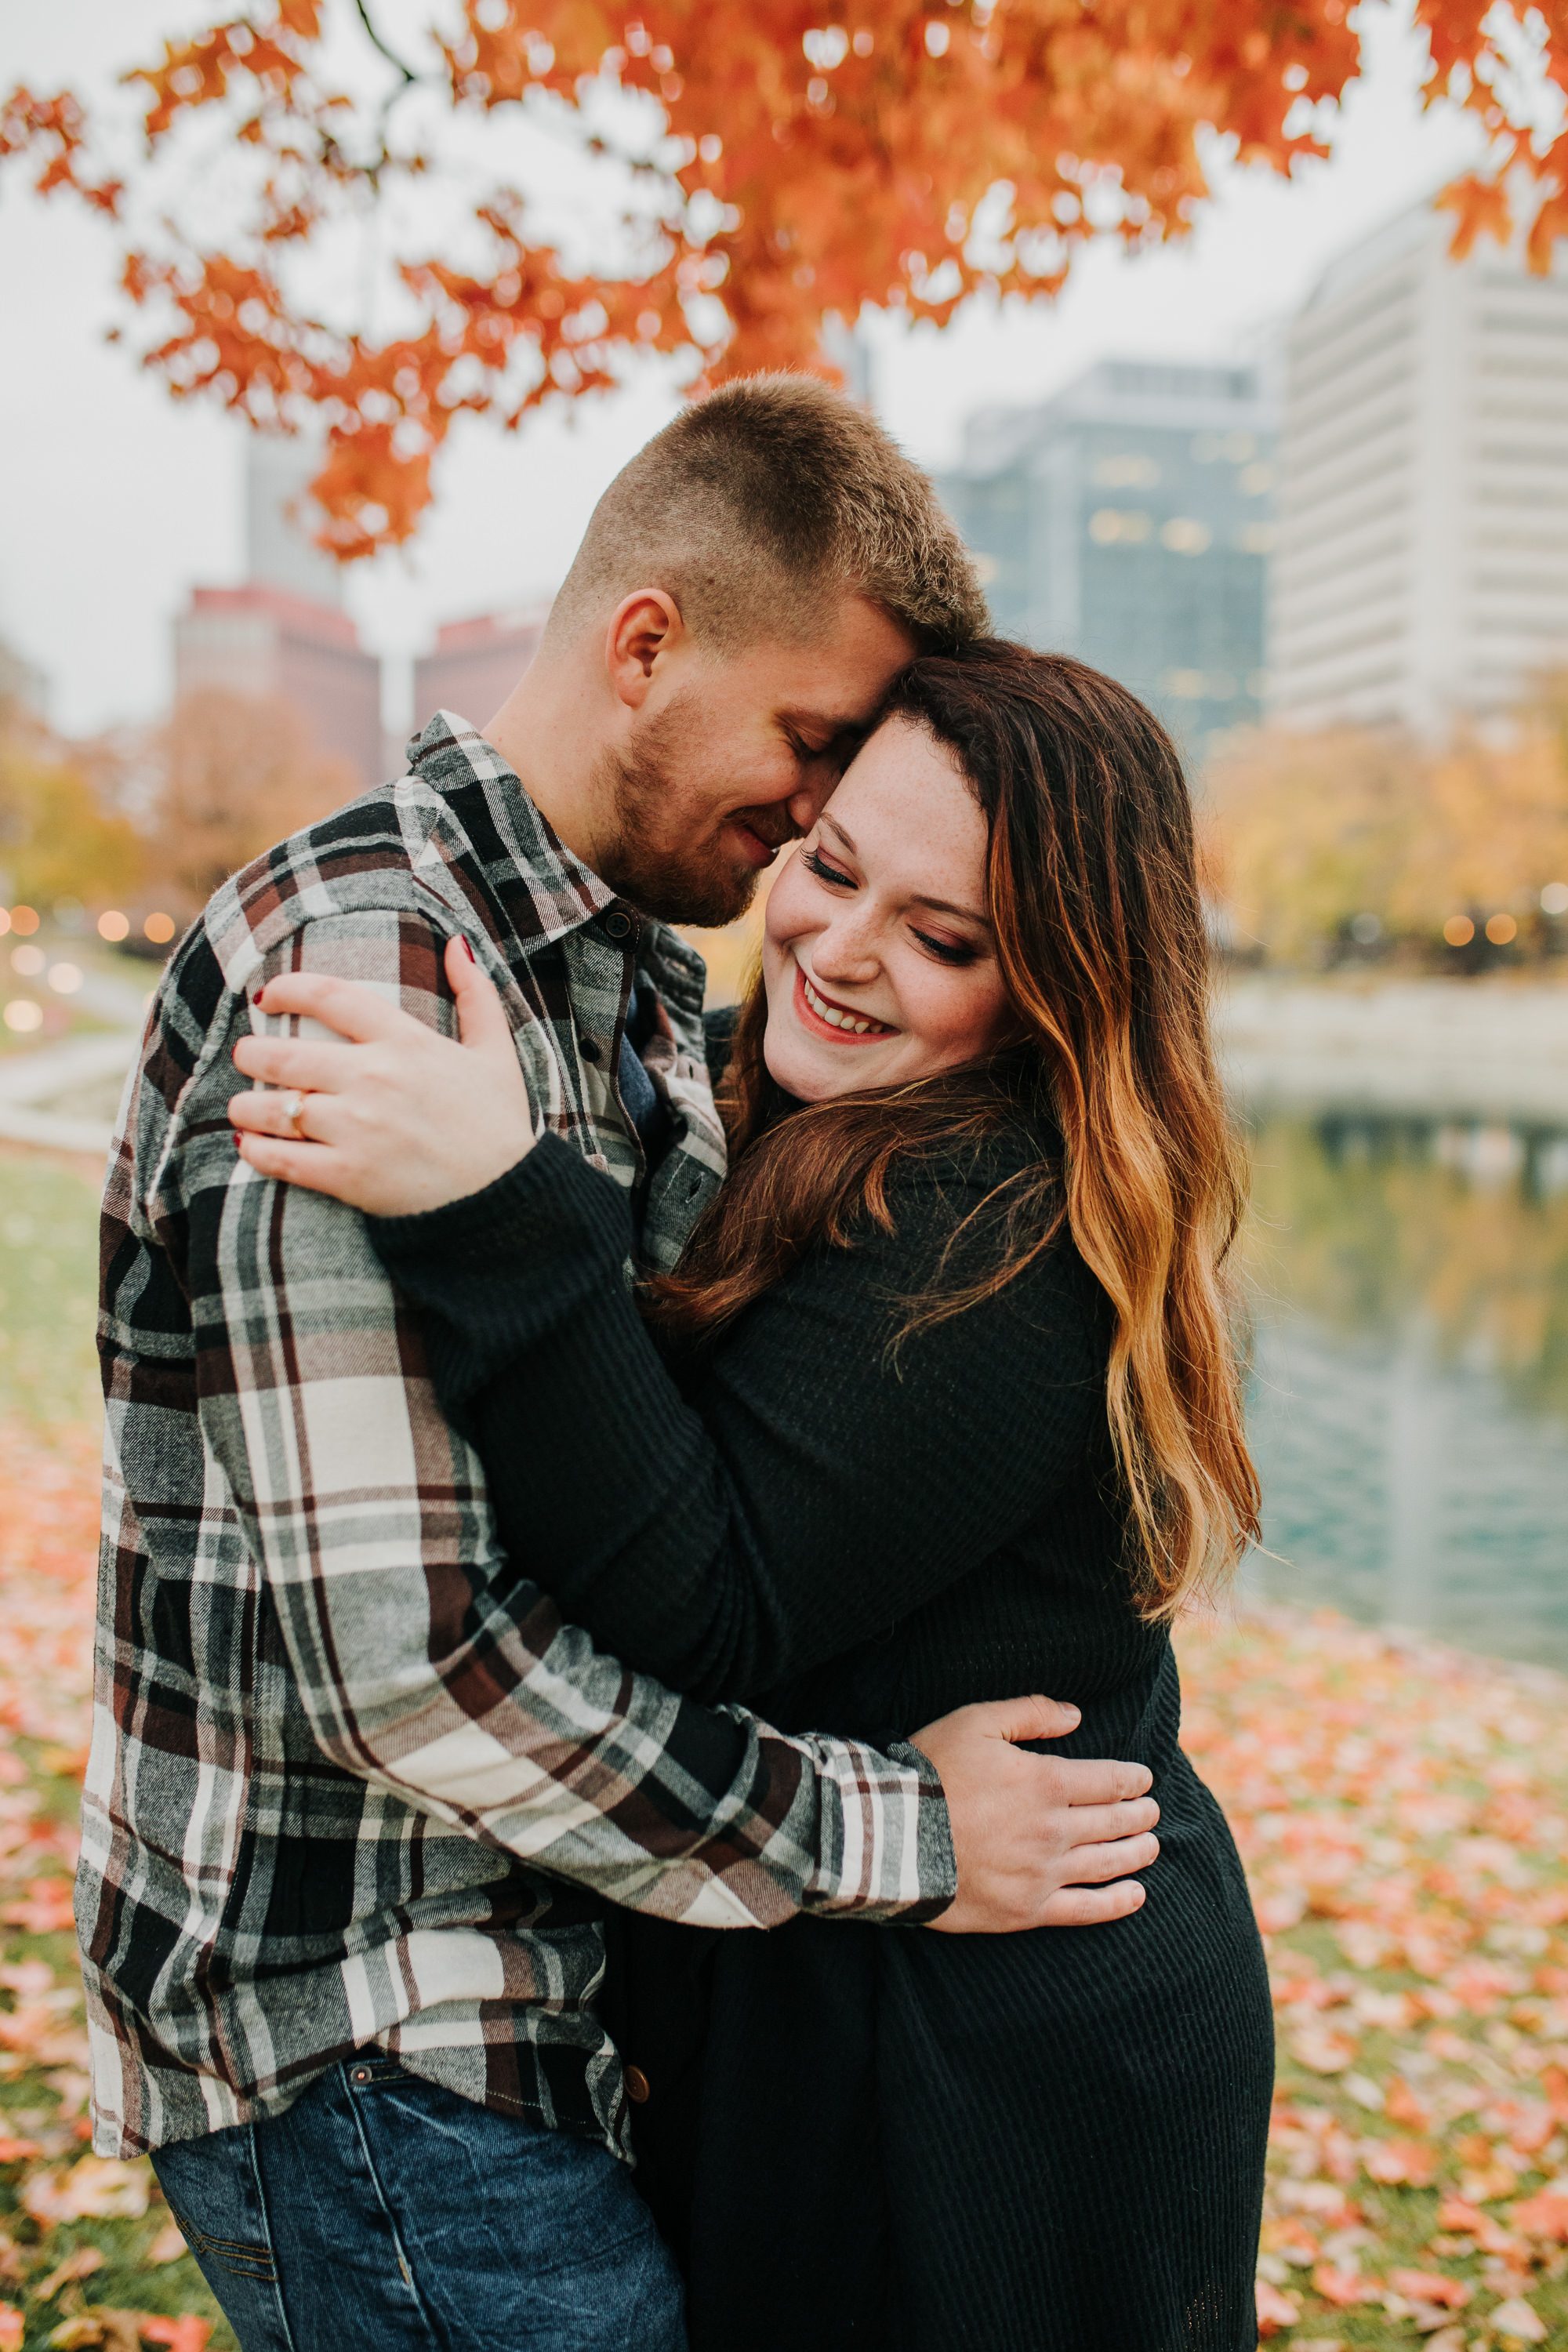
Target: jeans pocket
231, 2254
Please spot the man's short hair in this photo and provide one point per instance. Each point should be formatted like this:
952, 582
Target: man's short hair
759, 507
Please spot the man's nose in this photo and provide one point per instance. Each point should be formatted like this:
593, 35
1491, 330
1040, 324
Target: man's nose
808, 800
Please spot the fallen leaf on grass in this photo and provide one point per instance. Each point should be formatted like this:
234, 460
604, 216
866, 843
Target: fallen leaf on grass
98, 2189
1276, 2310
1515, 2319
1542, 2216
1284, 2235
186, 2334
97, 2331
1343, 2288
1403, 2107
12, 2328
47, 1907
168, 2246
17, 2151
1275, 1912
1432, 2286
1412, 2163
1322, 2050
100, 2329
1460, 2213
77, 2266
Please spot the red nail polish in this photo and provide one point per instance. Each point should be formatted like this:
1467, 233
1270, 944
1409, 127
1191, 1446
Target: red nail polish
259, 995
467, 950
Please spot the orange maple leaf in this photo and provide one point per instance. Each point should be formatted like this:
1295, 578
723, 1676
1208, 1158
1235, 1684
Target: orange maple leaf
1432, 2286
1413, 2162
186, 2334
1275, 2310
1544, 2215
1344, 2288
807, 171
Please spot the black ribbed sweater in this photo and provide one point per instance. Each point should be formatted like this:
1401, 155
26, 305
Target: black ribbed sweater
1051, 2142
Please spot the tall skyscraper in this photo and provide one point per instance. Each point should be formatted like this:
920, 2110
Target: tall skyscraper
281, 519
1422, 562
284, 635
1129, 521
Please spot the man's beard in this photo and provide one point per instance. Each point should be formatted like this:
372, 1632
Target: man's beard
687, 883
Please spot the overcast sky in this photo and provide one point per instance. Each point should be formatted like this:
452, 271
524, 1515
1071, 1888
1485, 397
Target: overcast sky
114, 500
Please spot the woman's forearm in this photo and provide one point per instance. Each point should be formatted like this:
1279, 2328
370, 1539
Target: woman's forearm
805, 1496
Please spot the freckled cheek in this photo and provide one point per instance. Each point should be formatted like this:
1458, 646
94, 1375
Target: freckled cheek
952, 1022
789, 915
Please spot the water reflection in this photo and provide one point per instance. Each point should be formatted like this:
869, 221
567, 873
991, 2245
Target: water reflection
1410, 1392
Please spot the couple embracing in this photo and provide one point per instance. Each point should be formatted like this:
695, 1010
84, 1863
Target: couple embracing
596, 1495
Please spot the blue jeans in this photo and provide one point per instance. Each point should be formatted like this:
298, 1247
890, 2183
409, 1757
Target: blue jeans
380, 2214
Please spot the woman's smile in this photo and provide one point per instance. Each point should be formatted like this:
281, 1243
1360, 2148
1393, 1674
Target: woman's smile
886, 901
824, 1014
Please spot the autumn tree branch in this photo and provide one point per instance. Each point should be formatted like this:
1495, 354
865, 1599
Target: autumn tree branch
376, 42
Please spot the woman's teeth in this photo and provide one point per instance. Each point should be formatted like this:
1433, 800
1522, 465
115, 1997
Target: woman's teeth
834, 1017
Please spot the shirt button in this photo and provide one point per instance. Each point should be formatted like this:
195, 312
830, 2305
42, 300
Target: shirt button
618, 927
588, 1050
637, 2085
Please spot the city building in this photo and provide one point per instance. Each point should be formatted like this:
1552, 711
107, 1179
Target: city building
1128, 520
284, 635
262, 642
281, 519
1422, 568
474, 665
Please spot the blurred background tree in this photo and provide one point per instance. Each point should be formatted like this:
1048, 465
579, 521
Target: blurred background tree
61, 834
230, 776
368, 259
1359, 843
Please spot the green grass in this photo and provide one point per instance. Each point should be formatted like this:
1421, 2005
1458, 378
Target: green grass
49, 1289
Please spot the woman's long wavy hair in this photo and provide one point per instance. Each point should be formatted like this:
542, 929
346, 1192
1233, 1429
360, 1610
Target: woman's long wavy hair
1093, 899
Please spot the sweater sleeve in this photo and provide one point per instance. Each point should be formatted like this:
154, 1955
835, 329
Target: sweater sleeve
809, 1485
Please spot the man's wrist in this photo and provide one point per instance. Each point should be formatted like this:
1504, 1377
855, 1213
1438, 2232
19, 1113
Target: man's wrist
936, 1864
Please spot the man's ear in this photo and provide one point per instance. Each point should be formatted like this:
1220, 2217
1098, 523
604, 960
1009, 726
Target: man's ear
645, 630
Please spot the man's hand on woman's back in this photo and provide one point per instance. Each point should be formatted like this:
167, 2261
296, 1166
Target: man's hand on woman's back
1040, 1840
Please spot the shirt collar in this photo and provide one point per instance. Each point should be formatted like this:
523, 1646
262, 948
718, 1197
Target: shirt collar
546, 891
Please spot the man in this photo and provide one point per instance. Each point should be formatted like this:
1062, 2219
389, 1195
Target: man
356, 1794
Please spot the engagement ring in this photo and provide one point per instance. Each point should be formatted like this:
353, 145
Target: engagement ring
293, 1104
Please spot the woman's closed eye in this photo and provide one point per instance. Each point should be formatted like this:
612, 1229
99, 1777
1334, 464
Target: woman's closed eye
954, 951
823, 872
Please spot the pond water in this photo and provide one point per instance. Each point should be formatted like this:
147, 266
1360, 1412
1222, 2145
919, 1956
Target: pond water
1409, 1393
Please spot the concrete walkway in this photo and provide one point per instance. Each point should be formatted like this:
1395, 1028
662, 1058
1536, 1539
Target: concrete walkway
30, 1083
1483, 1049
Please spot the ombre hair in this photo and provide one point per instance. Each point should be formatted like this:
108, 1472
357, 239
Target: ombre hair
1092, 887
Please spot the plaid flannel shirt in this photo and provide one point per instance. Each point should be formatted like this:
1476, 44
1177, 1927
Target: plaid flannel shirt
352, 1781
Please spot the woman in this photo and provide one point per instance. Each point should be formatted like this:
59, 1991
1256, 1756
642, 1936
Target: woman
942, 1404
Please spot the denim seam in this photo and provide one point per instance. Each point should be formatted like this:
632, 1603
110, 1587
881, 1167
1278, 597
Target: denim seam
287, 2333
203, 2239
404, 2264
